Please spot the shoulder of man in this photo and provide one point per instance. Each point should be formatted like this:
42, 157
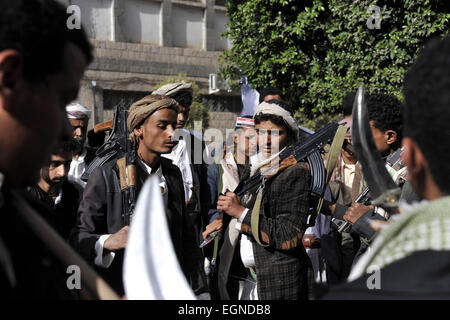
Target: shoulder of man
104, 173
427, 280
169, 169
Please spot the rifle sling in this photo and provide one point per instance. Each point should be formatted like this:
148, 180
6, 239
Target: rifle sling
254, 221
219, 190
332, 158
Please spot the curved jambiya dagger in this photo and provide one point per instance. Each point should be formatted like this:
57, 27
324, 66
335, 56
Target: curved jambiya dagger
383, 191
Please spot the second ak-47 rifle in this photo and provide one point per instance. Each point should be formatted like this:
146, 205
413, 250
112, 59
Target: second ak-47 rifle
345, 226
118, 146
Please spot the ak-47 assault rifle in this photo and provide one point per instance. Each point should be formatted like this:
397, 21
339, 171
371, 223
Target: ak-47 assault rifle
310, 149
118, 146
345, 226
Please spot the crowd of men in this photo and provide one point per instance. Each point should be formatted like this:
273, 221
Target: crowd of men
268, 245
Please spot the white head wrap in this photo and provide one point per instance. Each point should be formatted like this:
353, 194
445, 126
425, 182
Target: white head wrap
273, 108
77, 111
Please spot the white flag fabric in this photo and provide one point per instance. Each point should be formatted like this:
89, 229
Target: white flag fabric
250, 99
151, 270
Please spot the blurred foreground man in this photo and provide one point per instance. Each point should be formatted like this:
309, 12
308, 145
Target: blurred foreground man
41, 64
410, 259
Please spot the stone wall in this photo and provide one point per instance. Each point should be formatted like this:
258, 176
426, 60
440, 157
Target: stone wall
139, 43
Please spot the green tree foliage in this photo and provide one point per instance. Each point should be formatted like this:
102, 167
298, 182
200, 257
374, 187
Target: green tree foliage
316, 51
198, 112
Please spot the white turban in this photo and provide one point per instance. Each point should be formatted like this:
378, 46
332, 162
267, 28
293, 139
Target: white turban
274, 109
77, 111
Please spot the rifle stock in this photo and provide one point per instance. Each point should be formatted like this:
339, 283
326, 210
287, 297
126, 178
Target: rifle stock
104, 126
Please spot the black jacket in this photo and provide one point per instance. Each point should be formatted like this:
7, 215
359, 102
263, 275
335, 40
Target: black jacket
62, 216
100, 213
421, 275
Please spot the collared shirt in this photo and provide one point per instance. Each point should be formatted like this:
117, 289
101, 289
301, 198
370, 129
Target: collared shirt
348, 171
59, 197
77, 168
180, 158
162, 181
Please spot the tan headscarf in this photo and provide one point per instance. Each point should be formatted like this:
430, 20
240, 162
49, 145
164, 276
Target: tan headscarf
142, 109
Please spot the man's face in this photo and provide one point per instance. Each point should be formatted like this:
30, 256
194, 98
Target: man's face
271, 137
79, 127
381, 139
245, 140
157, 131
37, 117
271, 97
56, 172
182, 116
347, 121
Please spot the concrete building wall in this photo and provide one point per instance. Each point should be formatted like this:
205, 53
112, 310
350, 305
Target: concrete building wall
188, 26
142, 22
97, 17
139, 43
220, 21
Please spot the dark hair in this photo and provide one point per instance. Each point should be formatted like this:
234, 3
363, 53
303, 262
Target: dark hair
278, 120
64, 146
269, 91
385, 111
38, 30
347, 103
427, 107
